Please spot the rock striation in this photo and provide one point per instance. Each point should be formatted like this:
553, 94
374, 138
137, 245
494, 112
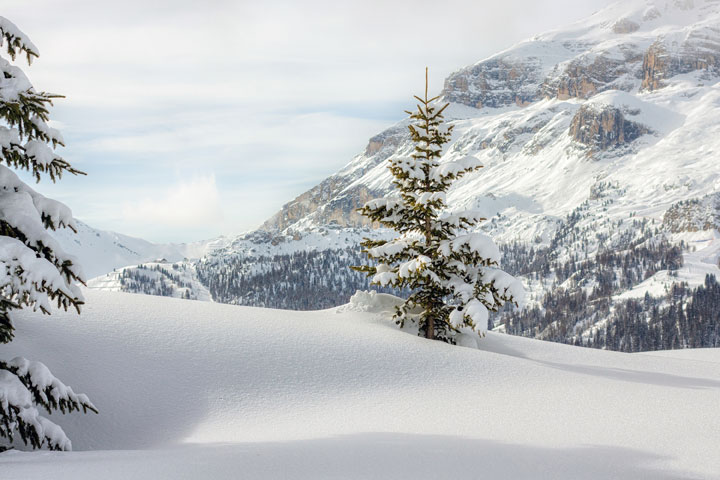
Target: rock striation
585, 77
659, 63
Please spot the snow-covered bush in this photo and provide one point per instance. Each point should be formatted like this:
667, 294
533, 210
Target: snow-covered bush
452, 273
34, 272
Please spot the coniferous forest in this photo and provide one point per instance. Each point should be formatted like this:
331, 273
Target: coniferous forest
580, 306
305, 280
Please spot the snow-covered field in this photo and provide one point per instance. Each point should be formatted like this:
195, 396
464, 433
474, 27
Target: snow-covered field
195, 390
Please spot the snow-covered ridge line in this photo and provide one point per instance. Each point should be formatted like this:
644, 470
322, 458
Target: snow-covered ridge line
161, 278
99, 252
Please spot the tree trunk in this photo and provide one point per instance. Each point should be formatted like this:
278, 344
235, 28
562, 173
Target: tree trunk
430, 321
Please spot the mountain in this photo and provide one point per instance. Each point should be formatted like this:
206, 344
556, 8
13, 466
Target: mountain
600, 183
600, 100
100, 252
195, 390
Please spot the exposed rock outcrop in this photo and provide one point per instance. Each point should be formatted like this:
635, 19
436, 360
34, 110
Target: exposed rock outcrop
652, 13
603, 127
625, 26
332, 202
656, 67
389, 139
700, 52
694, 215
342, 211
494, 83
305, 204
512, 79
326, 204
581, 79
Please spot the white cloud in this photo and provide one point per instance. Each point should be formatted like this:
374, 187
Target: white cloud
228, 140
187, 204
257, 92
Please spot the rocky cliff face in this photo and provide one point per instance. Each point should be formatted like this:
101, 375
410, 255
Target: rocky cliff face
335, 200
603, 127
660, 63
656, 67
625, 26
305, 204
325, 206
617, 54
495, 83
585, 77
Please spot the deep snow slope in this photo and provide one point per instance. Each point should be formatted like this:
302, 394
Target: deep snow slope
196, 390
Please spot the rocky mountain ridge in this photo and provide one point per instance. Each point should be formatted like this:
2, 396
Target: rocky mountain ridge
627, 52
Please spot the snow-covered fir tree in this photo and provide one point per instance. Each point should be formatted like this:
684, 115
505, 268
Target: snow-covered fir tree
452, 272
34, 272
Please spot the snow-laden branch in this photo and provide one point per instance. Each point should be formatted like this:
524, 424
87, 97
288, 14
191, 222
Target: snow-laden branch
24, 384
16, 41
473, 243
455, 168
460, 219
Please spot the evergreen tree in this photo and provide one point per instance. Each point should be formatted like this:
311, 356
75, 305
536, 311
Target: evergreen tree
452, 273
34, 272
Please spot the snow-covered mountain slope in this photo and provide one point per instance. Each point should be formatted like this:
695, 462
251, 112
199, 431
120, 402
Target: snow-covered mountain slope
166, 279
100, 252
597, 140
216, 391
254, 261
561, 113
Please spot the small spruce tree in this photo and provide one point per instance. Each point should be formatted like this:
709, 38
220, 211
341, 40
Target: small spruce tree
451, 272
34, 272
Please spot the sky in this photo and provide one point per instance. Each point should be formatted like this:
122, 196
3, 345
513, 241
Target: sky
198, 119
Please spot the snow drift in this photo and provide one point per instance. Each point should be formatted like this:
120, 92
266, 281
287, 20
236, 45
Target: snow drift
201, 390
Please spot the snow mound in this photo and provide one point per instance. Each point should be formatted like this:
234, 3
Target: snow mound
371, 301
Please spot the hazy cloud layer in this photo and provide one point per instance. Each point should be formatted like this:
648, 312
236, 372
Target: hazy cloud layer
192, 204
